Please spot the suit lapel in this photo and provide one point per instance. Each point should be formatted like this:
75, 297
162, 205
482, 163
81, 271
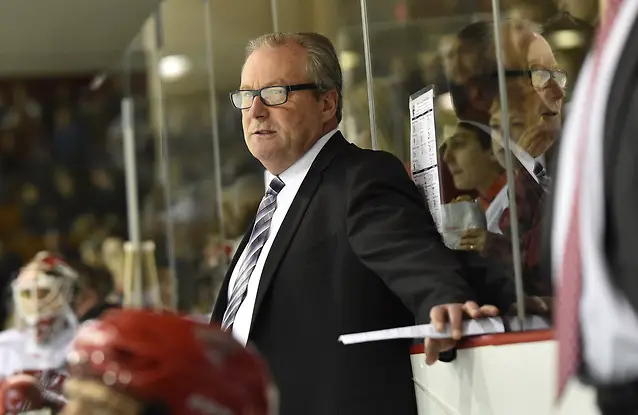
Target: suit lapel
222, 297
294, 216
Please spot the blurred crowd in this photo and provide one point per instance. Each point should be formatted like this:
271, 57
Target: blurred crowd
61, 188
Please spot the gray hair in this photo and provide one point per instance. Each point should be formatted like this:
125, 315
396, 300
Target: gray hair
323, 64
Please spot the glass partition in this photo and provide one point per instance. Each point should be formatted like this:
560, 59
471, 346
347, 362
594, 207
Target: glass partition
350, 44
181, 210
129, 145
241, 175
501, 93
206, 185
199, 212
198, 186
63, 176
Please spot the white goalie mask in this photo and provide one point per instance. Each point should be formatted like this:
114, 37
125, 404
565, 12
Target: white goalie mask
42, 295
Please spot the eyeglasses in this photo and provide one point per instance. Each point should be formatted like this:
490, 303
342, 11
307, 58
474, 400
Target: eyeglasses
540, 77
270, 95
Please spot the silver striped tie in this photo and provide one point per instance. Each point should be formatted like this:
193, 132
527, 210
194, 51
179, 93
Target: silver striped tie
257, 240
543, 178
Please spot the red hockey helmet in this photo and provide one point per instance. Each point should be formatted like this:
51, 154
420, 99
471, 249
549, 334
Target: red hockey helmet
160, 358
21, 394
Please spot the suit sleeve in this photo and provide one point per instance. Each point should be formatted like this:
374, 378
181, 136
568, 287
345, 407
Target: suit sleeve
392, 232
622, 197
547, 223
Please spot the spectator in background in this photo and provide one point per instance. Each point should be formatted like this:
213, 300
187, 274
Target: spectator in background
56, 243
240, 200
216, 257
90, 252
386, 119
8, 162
4, 105
68, 140
36, 215
536, 87
36, 165
67, 200
95, 285
24, 109
473, 166
107, 193
112, 256
10, 263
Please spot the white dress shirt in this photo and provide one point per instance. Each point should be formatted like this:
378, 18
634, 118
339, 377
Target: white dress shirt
609, 326
293, 177
496, 209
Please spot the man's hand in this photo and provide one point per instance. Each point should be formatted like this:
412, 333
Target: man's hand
537, 139
475, 239
452, 314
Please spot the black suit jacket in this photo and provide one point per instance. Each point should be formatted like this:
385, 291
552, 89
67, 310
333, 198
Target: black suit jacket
620, 164
620, 160
357, 251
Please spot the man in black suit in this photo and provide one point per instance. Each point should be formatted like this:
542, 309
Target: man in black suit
594, 221
342, 243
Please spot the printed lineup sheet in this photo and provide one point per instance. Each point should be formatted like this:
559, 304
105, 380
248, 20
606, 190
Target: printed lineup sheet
423, 150
478, 327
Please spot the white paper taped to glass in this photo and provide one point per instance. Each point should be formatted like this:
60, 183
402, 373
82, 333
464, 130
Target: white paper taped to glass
490, 325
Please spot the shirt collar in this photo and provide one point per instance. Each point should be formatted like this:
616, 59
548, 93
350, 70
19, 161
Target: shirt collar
493, 191
295, 174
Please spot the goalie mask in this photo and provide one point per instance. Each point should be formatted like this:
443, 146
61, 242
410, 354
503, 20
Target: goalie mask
42, 294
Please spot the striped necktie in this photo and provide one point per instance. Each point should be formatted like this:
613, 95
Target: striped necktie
543, 178
258, 238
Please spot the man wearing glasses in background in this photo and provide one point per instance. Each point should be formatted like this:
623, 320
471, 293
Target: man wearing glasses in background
342, 242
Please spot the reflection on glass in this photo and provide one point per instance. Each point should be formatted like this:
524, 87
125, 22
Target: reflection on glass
542, 77
469, 158
534, 123
414, 44
544, 44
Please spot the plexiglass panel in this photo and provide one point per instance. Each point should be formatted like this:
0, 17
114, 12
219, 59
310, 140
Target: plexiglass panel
198, 186
489, 81
61, 154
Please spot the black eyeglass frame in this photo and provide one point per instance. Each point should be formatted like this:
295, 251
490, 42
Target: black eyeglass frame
529, 73
258, 93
